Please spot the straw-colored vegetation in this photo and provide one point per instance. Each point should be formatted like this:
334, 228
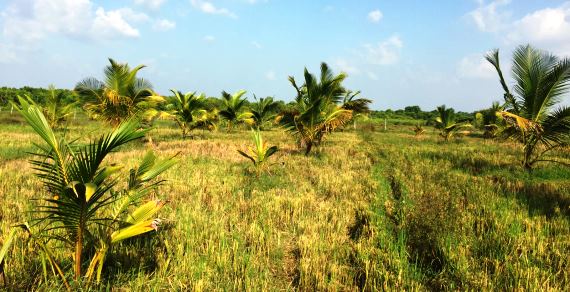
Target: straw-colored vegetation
332, 204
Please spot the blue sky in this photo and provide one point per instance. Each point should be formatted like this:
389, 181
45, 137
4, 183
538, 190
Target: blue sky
397, 53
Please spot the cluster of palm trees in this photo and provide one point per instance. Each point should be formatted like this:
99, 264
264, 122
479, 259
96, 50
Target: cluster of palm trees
322, 105
530, 114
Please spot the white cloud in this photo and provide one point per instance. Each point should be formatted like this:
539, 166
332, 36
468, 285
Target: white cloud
375, 16
270, 75
24, 24
210, 8
384, 53
33, 20
209, 38
345, 66
256, 1
547, 27
475, 66
489, 18
163, 25
114, 24
256, 45
152, 4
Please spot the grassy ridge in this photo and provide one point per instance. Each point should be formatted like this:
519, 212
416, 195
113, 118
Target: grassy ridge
373, 210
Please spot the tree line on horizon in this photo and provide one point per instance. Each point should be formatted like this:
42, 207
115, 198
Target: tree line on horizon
322, 105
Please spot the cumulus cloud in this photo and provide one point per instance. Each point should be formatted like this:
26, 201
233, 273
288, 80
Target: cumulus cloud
114, 23
24, 24
345, 66
384, 53
163, 25
152, 4
209, 8
547, 27
33, 20
489, 17
475, 66
375, 16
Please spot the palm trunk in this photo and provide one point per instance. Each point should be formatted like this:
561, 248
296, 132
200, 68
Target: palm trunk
78, 252
527, 163
308, 149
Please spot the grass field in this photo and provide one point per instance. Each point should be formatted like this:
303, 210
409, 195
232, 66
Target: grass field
371, 210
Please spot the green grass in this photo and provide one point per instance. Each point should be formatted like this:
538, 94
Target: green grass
370, 210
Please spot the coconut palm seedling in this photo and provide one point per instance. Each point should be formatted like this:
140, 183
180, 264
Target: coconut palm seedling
490, 121
56, 110
263, 111
232, 109
419, 130
85, 207
121, 95
447, 123
531, 118
260, 153
359, 106
316, 112
189, 112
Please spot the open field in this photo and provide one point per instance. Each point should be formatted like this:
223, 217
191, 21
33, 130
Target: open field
371, 210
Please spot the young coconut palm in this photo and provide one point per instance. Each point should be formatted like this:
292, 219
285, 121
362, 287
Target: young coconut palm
315, 112
541, 80
419, 130
119, 96
359, 106
231, 111
447, 124
260, 153
263, 111
84, 203
56, 110
188, 110
490, 121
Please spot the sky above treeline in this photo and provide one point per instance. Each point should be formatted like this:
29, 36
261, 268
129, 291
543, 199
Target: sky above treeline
398, 53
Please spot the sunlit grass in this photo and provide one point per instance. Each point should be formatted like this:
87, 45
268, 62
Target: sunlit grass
369, 210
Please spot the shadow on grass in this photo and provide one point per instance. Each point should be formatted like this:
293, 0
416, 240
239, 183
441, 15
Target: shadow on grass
540, 198
469, 163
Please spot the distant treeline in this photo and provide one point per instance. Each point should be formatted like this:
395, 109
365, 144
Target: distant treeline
39, 95
408, 113
416, 113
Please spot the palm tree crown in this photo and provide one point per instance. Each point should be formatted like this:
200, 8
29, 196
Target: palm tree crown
316, 111
119, 96
189, 111
263, 110
541, 80
447, 124
232, 111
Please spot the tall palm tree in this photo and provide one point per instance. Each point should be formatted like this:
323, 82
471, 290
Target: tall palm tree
541, 80
232, 109
262, 111
316, 112
85, 201
447, 124
121, 95
358, 106
189, 111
